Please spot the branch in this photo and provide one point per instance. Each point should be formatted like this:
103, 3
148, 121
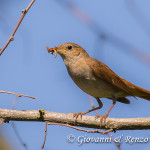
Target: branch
1, 122
118, 145
11, 38
86, 121
19, 137
138, 15
19, 95
45, 135
88, 131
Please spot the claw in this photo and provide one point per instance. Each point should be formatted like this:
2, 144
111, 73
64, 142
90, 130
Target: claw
102, 118
76, 115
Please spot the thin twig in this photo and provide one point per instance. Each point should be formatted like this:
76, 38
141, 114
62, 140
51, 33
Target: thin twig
1, 122
92, 105
18, 136
89, 131
11, 38
118, 145
45, 135
138, 15
14, 125
15, 102
103, 34
19, 95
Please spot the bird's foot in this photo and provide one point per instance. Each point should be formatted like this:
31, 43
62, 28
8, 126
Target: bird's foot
76, 115
102, 118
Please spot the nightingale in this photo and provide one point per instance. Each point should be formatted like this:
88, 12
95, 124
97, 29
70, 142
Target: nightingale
96, 79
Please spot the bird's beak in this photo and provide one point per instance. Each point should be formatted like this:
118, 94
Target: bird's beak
55, 50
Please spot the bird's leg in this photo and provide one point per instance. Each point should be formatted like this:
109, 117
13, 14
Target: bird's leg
103, 118
76, 115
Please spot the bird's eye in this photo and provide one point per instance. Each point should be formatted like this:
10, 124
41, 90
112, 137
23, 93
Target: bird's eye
69, 47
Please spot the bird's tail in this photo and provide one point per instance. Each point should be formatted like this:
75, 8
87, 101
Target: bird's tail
138, 91
142, 93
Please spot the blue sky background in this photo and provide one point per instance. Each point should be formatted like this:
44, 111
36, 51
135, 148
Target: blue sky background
27, 68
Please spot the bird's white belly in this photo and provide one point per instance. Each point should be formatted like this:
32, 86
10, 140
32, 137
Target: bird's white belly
95, 87
90, 83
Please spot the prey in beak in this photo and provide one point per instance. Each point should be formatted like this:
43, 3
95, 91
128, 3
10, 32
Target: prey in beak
52, 50
56, 50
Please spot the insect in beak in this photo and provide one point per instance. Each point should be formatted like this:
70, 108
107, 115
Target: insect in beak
52, 50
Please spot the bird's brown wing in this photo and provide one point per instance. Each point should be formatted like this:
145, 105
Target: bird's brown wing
105, 73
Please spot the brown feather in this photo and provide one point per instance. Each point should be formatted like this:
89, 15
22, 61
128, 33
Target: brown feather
104, 72
123, 100
138, 91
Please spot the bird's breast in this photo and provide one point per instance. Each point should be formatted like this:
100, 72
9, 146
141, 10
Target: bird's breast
84, 78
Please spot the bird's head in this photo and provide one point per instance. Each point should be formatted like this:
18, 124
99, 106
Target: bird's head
69, 51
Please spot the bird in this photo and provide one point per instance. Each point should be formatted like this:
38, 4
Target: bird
96, 79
